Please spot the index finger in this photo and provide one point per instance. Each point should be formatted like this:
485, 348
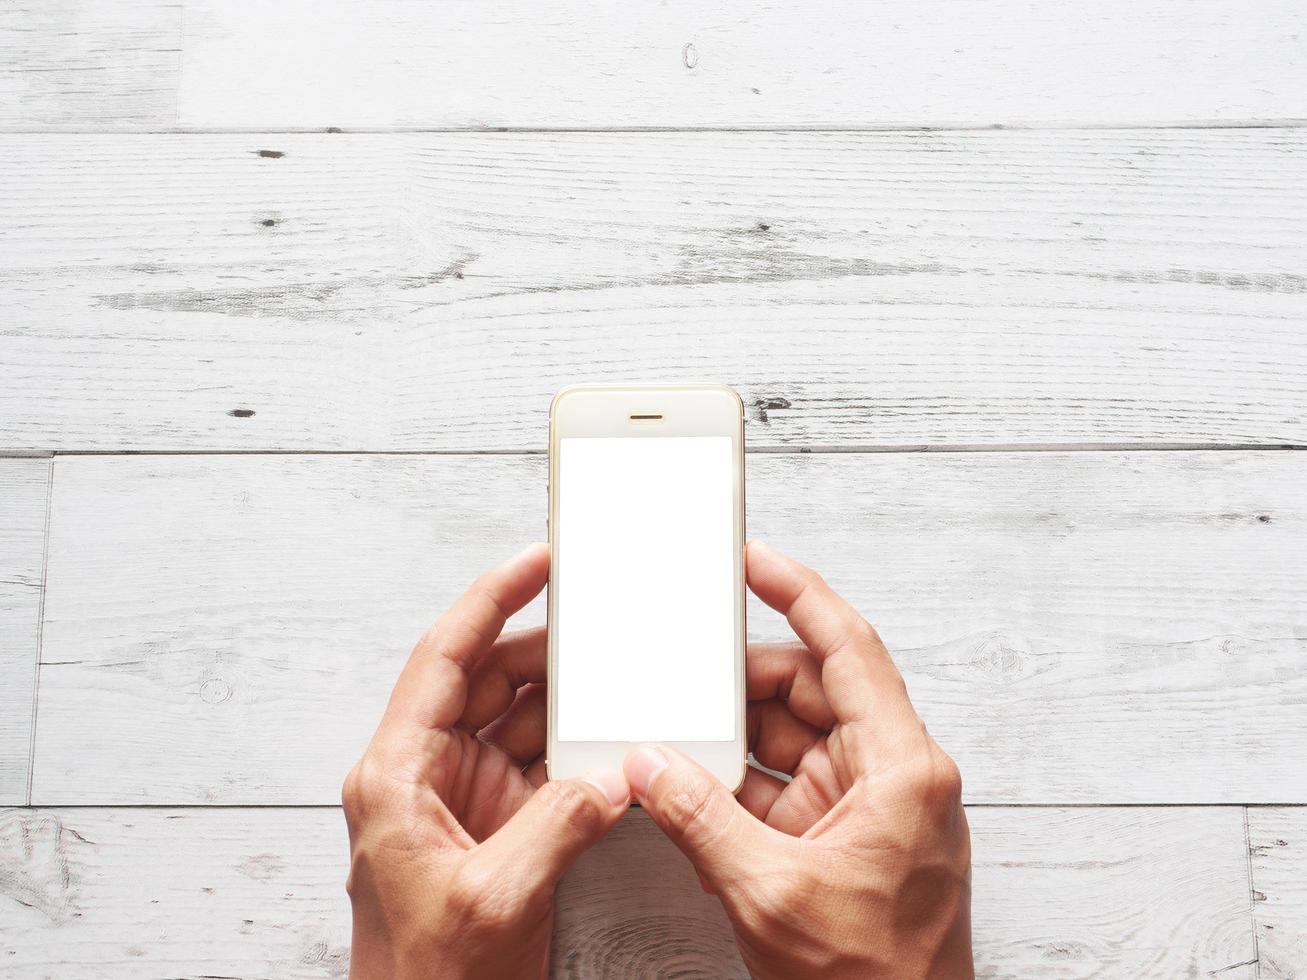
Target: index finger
432, 689
861, 682
788, 672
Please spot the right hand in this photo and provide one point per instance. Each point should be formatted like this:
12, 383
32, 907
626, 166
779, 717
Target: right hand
860, 865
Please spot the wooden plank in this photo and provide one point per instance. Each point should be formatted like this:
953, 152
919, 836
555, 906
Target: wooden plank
173, 893
430, 292
107, 65
1080, 627
140, 64
23, 495
696, 63
1277, 849
1057, 893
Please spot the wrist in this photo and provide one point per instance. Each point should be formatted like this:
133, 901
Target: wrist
371, 958
377, 954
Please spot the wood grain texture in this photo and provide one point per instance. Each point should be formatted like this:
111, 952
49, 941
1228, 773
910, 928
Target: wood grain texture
23, 496
89, 64
1277, 849
226, 629
91, 894
156, 64
431, 292
694, 63
1057, 893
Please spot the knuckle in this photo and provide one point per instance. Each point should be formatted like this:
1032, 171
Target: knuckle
365, 789
865, 631
948, 777
774, 896
687, 806
465, 893
814, 579
919, 776
574, 805
353, 794
352, 881
482, 900
349, 791
933, 777
769, 899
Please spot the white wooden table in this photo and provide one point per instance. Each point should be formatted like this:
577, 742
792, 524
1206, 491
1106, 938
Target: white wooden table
1016, 294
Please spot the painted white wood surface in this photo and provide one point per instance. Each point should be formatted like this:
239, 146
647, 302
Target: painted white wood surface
158, 64
150, 893
259, 892
689, 63
1094, 627
1277, 846
1075, 627
694, 63
89, 64
24, 487
431, 291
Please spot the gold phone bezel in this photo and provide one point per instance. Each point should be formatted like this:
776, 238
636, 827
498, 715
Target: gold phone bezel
683, 409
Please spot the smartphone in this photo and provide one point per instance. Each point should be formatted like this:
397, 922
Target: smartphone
646, 584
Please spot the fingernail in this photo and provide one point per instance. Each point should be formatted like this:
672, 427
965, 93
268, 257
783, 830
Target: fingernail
642, 766
611, 783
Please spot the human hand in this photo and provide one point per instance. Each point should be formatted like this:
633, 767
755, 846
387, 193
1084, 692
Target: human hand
860, 865
456, 840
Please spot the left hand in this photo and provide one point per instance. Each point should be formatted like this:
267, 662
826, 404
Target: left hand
456, 841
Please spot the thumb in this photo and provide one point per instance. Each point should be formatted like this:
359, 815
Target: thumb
721, 838
559, 823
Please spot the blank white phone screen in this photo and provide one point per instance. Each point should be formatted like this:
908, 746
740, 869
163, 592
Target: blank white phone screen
646, 589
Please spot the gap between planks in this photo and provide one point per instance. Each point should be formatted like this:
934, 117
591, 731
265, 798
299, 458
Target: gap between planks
1015, 447
1256, 961
40, 625
888, 128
